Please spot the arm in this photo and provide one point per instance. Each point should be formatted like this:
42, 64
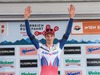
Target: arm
31, 36
68, 31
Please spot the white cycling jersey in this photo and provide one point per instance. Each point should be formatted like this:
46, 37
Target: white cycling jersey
49, 59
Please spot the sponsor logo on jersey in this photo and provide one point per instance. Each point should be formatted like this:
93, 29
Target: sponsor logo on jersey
49, 53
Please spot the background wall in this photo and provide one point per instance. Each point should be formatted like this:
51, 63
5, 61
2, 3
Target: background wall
81, 54
49, 10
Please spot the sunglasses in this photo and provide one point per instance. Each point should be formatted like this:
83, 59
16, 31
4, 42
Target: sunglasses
49, 30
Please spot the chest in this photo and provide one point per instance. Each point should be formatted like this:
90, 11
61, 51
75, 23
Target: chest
51, 52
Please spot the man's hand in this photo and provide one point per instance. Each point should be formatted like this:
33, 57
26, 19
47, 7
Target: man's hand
71, 10
27, 12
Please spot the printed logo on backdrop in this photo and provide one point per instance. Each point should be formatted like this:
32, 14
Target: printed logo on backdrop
93, 72
28, 63
34, 72
93, 62
89, 27
72, 50
7, 73
28, 51
92, 49
33, 27
7, 64
73, 62
73, 72
3, 28
77, 28
7, 51
37, 29
85, 27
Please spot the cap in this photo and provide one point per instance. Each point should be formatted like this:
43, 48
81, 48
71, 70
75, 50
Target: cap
49, 31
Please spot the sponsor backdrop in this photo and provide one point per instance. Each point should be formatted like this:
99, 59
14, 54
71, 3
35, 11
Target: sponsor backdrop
80, 56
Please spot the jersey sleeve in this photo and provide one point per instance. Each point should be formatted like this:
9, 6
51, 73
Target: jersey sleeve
30, 35
67, 33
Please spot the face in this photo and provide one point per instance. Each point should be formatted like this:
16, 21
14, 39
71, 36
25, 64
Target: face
49, 38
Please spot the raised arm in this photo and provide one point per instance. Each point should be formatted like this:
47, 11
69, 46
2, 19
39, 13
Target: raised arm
71, 10
31, 36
